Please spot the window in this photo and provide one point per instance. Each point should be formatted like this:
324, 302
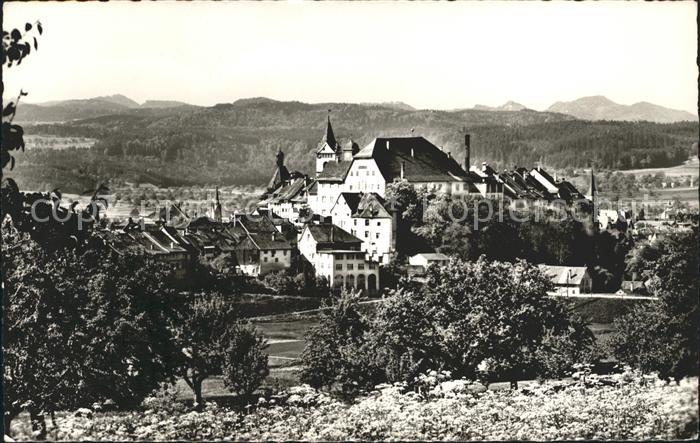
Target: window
350, 266
372, 265
361, 267
377, 234
366, 222
366, 234
265, 259
277, 260
354, 222
379, 223
338, 267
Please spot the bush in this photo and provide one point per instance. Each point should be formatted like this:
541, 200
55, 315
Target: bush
623, 407
245, 363
280, 283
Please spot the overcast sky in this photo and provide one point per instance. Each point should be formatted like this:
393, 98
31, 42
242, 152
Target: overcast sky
429, 55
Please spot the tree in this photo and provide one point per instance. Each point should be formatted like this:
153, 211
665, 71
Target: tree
494, 315
663, 335
405, 339
202, 334
81, 327
337, 352
245, 363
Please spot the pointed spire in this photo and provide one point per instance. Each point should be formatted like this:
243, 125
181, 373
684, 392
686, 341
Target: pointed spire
592, 191
329, 137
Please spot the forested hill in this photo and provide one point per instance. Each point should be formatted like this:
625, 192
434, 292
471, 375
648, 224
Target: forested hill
236, 143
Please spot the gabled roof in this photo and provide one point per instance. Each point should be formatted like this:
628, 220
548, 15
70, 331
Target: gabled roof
423, 161
202, 222
331, 236
564, 275
568, 191
293, 190
269, 240
544, 174
254, 223
432, 256
334, 171
365, 205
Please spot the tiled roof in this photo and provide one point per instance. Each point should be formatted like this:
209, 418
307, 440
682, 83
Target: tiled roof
255, 223
269, 240
201, 222
563, 275
334, 171
423, 161
568, 191
295, 190
366, 205
332, 237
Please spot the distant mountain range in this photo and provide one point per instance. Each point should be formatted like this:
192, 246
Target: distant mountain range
236, 143
587, 108
601, 108
508, 106
67, 110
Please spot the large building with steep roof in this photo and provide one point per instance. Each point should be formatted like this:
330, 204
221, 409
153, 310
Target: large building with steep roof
385, 160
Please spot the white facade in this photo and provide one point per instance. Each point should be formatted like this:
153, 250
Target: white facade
376, 233
364, 176
342, 268
426, 260
324, 155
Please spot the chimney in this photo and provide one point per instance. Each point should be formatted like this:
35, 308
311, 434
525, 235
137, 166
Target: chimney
403, 168
467, 151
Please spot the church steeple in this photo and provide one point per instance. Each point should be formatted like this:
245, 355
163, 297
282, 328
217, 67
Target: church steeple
329, 149
329, 136
215, 211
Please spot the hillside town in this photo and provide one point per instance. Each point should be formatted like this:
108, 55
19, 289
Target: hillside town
337, 223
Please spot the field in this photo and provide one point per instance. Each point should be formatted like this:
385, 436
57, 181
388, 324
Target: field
690, 167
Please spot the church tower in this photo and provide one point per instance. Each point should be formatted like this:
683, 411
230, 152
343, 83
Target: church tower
328, 149
215, 209
590, 195
281, 175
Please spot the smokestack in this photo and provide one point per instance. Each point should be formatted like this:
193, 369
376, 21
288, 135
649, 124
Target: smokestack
403, 167
467, 151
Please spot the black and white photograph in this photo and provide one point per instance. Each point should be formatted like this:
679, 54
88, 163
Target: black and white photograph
350, 221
